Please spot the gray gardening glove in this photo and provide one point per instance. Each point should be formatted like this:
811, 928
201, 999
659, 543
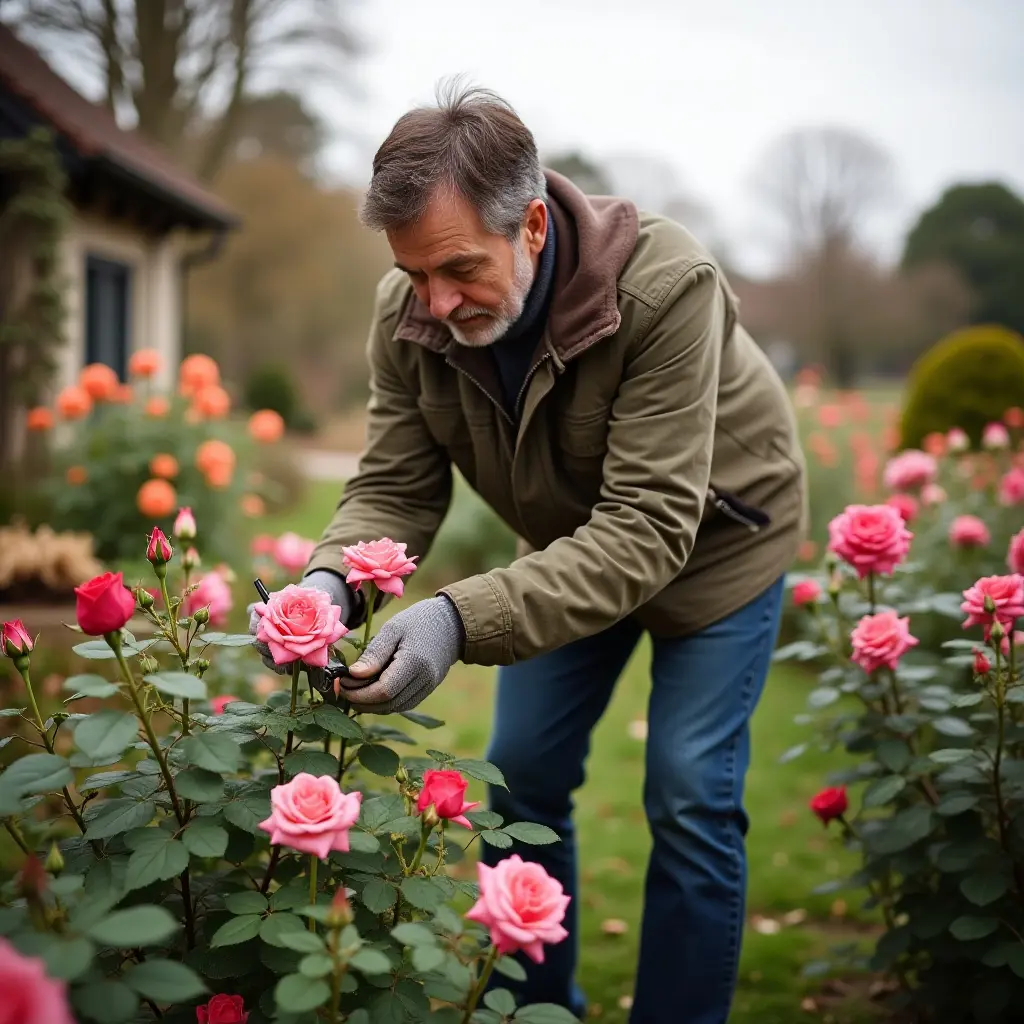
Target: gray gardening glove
352, 606
415, 649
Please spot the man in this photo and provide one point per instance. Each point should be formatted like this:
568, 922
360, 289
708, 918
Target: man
583, 367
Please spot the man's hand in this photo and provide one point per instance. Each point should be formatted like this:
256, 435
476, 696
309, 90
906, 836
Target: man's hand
321, 579
415, 649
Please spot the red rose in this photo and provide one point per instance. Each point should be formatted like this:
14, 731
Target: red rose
158, 550
830, 803
806, 592
104, 604
982, 666
446, 790
222, 1009
14, 639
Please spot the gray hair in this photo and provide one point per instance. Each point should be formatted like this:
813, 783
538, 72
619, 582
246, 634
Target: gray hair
472, 144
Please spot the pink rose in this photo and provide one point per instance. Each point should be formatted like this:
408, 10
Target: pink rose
995, 437
1004, 644
299, 623
905, 504
806, 592
881, 639
293, 552
30, 996
263, 544
184, 525
212, 593
312, 815
219, 703
871, 538
1015, 555
932, 494
158, 549
957, 440
521, 905
910, 470
14, 639
381, 562
1003, 594
446, 791
968, 532
1011, 487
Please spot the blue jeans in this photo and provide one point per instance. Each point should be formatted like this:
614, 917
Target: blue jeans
704, 689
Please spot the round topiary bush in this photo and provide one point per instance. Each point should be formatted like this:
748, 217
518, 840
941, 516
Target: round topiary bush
967, 380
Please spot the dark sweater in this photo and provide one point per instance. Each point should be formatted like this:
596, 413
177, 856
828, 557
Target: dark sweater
515, 349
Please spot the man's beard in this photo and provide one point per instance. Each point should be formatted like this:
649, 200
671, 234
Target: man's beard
501, 319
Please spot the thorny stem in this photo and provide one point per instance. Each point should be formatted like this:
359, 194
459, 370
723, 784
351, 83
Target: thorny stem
296, 669
1001, 815
485, 976
871, 591
275, 856
336, 975
341, 759
172, 635
313, 862
424, 836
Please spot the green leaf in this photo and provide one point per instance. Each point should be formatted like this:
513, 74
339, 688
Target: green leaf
440, 756
792, 753
288, 897
113, 817
482, 770
510, 968
248, 811
903, 830
362, 842
178, 684
164, 981
276, 925
313, 762
407, 825
155, 862
247, 902
956, 803
67, 958
545, 1013
296, 993
94, 650
485, 819
379, 810
238, 929
316, 965
427, 958
498, 839
414, 934
822, 697
881, 791
967, 700
101, 780
531, 832
950, 755
894, 754
106, 1001
10, 712
199, 785
212, 751
337, 723
984, 887
378, 895
426, 721
370, 961
969, 927
31, 774
137, 926
950, 726
378, 759
204, 838
227, 639
423, 893
500, 1001
302, 942
89, 686
1015, 959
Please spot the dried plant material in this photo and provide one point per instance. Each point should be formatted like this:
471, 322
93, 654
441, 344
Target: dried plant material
808, 1005
638, 729
797, 916
44, 560
765, 925
625, 1002
614, 926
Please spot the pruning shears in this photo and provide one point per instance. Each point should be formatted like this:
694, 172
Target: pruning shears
321, 680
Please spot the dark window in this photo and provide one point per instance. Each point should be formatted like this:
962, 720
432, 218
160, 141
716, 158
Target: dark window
108, 287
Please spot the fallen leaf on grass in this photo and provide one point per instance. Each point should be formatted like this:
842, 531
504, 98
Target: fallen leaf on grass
765, 925
614, 926
808, 1005
638, 729
625, 1002
797, 916
838, 908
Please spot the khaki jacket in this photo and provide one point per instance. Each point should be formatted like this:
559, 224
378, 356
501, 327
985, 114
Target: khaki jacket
655, 472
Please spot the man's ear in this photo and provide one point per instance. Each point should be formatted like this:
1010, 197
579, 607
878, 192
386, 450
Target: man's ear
535, 225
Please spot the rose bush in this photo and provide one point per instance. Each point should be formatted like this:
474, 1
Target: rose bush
919, 659
186, 855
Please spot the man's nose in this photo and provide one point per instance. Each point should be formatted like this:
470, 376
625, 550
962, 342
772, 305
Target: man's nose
443, 299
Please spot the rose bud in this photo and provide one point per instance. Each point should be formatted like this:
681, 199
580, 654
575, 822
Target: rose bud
201, 616
158, 550
190, 560
185, 525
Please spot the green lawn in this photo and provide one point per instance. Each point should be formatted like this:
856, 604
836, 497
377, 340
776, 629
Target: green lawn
789, 853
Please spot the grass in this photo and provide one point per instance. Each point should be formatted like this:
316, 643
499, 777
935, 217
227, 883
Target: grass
789, 853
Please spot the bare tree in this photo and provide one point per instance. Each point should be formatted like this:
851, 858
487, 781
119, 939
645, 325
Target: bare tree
822, 183
178, 64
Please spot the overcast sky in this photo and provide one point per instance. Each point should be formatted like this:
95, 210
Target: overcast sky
707, 85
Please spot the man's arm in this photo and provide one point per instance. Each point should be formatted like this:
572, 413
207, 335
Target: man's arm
404, 482
656, 476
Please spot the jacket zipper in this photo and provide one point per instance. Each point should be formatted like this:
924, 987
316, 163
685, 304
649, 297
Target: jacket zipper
728, 509
483, 390
529, 376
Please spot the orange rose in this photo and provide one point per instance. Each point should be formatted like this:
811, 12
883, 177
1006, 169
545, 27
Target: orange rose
266, 426
252, 505
212, 402
157, 407
145, 363
219, 477
197, 372
39, 418
156, 499
99, 381
212, 454
164, 465
76, 475
74, 402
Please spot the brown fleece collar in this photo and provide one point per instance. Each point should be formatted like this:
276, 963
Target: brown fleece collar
596, 236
